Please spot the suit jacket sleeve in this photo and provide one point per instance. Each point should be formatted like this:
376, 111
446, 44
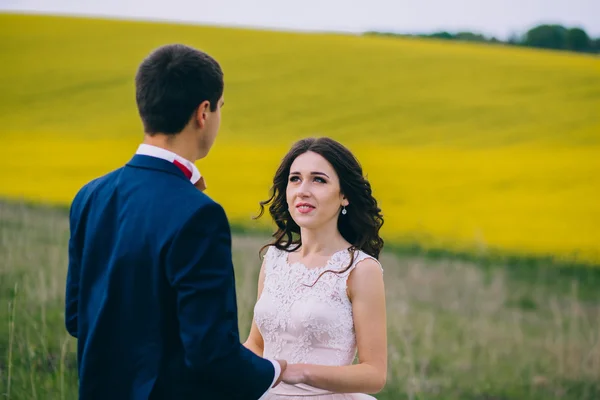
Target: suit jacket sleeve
199, 267
72, 284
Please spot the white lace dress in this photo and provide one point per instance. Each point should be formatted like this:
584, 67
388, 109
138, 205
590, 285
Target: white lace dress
307, 325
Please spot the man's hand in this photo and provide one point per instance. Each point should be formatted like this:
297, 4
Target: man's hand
283, 365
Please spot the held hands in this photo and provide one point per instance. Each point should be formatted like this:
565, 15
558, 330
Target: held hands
294, 374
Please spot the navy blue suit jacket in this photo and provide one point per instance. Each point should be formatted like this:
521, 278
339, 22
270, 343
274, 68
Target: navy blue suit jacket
150, 292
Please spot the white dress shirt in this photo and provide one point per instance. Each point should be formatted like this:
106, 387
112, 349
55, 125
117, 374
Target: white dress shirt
159, 152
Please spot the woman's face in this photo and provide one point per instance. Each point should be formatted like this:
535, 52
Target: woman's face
313, 191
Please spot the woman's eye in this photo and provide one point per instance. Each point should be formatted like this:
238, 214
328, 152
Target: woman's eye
294, 178
320, 180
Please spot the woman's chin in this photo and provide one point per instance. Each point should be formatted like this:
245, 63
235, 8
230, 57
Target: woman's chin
306, 221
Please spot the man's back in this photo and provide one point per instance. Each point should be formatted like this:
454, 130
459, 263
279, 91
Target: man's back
150, 290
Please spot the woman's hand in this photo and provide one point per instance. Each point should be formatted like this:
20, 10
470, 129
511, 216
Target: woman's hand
295, 374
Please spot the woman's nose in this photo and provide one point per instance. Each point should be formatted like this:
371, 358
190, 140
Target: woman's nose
303, 190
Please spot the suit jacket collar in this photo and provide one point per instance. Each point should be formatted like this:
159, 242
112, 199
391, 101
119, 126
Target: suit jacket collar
157, 164
159, 152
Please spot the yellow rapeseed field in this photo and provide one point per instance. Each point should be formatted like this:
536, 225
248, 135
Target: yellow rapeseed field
468, 147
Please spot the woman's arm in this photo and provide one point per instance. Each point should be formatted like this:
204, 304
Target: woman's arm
366, 291
255, 342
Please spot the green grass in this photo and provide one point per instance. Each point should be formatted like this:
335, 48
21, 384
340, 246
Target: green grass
456, 330
470, 148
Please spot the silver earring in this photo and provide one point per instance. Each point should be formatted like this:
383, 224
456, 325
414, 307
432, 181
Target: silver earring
344, 210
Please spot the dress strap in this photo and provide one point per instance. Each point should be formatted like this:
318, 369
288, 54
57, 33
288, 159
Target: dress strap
271, 258
359, 257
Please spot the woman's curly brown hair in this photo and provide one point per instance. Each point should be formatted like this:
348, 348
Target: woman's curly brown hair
359, 226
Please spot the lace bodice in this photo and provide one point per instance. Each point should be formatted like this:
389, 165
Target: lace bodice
304, 324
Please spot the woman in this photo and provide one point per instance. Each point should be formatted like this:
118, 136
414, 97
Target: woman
320, 291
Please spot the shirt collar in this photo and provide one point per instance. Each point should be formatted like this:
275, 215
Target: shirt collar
159, 152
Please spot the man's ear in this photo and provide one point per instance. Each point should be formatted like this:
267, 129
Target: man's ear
201, 113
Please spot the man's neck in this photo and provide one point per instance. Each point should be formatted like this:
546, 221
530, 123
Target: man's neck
174, 143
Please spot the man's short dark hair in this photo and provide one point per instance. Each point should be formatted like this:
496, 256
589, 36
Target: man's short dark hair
171, 83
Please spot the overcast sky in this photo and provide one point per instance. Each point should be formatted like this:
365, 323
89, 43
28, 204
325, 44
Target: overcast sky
499, 18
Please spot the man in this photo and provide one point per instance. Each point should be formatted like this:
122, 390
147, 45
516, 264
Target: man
150, 287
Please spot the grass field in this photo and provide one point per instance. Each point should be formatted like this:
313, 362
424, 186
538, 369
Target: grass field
469, 148
456, 331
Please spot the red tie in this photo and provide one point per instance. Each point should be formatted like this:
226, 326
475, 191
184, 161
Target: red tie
183, 168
